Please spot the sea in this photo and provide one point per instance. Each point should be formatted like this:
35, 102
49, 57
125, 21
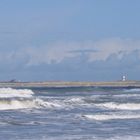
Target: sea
70, 113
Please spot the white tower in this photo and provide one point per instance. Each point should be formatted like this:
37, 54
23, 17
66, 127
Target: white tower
123, 78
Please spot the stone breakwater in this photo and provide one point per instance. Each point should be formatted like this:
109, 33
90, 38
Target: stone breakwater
71, 84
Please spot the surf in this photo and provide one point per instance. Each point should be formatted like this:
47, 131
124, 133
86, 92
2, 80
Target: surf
10, 92
132, 90
105, 117
118, 106
15, 99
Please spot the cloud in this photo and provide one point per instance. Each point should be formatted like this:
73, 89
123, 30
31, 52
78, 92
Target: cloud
72, 52
62, 51
93, 51
57, 52
89, 60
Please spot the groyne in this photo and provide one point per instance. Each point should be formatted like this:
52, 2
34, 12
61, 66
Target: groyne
71, 84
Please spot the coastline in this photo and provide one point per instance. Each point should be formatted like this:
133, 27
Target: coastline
71, 84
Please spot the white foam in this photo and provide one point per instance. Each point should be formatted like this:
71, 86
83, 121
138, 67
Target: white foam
74, 100
15, 104
23, 99
9, 92
132, 90
127, 95
125, 138
126, 106
28, 104
88, 137
110, 117
48, 104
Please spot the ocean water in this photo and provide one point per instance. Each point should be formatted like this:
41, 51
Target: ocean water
70, 113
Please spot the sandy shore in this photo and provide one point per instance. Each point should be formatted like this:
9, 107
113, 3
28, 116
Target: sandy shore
71, 84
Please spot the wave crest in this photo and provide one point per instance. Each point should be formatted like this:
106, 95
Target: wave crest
10, 92
126, 106
110, 117
132, 90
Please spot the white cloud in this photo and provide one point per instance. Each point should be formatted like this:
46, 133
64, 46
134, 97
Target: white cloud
73, 60
59, 51
100, 50
55, 52
113, 46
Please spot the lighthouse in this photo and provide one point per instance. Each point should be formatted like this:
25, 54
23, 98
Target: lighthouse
123, 78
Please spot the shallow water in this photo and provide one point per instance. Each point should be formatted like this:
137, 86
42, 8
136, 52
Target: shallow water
70, 114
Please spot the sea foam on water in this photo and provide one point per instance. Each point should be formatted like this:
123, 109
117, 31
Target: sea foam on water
10, 92
120, 106
105, 117
22, 99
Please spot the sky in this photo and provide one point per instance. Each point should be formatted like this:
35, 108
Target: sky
69, 40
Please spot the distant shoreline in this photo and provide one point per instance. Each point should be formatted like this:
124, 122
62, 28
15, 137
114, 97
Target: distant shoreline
71, 84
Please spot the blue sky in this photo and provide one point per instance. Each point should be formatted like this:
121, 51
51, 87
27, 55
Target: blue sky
70, 40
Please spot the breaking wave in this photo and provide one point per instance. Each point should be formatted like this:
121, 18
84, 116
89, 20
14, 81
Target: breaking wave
126, 106
92, 102
26, 104
25, 98
21, 99
9, 92
20, 104
132, 90
128, 95
110, 117
74, 100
